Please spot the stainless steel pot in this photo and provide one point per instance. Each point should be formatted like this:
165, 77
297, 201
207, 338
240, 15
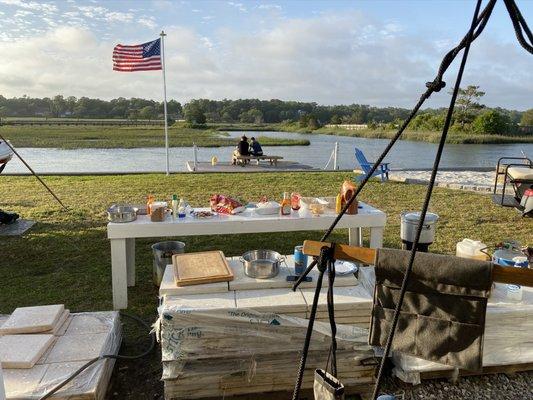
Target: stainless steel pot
262, 264
409, 223
121, 213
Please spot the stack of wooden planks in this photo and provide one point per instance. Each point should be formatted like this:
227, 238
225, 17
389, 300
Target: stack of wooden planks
81, 337
248, 338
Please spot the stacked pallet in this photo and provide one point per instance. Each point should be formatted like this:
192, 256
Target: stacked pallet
81, 337
248, 339
507, 347
353, 305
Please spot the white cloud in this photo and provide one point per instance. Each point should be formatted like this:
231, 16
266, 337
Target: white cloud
269, 7
113, 16
31, 5
330, 59
149, 22
238, 6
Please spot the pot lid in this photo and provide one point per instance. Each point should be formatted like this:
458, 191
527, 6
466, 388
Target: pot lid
414, 216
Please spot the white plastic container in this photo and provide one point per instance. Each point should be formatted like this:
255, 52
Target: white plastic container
469, 248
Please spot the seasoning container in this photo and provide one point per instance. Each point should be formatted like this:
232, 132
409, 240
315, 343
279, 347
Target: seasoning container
338, 204
285, 208
182, 209
159, 211
295, 201
347, 192
149, 201
174, 206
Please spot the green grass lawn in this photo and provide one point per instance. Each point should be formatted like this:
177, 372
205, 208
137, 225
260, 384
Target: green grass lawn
65, 257
86, 136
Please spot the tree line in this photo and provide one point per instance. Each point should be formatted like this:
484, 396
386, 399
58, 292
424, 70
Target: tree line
470, 114
85, 107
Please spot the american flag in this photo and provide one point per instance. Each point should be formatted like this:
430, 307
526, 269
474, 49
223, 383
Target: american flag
142, 57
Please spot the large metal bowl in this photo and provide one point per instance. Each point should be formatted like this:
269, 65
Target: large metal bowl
121, 213
261, 264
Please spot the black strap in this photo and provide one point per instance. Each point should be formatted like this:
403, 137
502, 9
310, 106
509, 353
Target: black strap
331, 314
322, 264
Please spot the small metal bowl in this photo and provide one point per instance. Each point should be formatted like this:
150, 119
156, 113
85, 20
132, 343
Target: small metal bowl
261, 264
121, 213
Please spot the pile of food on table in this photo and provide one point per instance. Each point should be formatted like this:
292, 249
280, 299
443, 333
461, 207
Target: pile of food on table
289, 204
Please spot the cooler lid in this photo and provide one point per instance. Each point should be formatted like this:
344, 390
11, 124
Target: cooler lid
414, 217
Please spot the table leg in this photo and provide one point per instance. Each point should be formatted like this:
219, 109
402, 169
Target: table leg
119, 273
376, 237
355, 237
130, 260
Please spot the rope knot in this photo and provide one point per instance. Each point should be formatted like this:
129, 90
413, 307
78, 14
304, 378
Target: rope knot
326, 254
436, 85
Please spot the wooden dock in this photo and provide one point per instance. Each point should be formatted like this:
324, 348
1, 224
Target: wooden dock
282, 166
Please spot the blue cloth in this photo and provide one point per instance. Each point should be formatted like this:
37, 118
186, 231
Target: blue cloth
256, 148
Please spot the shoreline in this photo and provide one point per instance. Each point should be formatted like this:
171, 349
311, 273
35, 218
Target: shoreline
473, 179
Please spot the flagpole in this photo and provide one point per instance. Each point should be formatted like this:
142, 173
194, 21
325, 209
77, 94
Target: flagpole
163, 34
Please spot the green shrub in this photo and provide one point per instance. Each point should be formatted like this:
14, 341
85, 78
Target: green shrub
492, 123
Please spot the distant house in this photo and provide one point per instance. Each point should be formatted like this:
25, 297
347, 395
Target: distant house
350, 127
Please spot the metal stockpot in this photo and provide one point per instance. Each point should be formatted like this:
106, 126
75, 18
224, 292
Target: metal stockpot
409, 224
262, 264
121, 213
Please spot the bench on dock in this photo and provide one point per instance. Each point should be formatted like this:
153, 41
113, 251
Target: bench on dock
273, 160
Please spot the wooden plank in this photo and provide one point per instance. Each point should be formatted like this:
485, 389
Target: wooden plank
342, 251
202, 267
489, 370
517, 276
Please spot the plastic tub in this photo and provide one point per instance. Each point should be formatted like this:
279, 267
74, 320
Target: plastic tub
163, 252
468, 248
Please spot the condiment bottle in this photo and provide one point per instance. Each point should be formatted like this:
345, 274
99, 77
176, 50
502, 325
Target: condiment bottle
285, 204
181, 209
338, 203
174, 206
150, 199
295, 201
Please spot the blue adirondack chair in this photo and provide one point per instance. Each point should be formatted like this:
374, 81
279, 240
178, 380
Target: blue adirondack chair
366, 166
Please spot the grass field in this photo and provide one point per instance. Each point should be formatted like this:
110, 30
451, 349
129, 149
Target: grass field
65, 257
72, 137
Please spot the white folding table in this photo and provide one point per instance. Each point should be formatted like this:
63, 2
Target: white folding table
123, 235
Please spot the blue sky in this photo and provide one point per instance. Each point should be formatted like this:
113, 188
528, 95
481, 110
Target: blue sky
332, 52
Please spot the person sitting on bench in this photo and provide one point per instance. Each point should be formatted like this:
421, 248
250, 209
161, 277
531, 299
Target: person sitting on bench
256, 150
243, 149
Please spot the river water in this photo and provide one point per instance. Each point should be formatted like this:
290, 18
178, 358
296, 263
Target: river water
405, 155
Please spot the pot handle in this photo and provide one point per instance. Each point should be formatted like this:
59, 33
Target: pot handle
241, 259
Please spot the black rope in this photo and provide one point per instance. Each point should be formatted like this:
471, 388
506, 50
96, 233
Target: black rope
519, 25
331, 313
447, 122
325, 255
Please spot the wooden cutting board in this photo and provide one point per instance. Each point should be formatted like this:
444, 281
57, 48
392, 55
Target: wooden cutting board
199, 268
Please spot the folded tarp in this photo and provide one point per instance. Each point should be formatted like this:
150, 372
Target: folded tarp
443, 313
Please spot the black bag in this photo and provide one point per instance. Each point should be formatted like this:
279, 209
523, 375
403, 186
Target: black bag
8, 217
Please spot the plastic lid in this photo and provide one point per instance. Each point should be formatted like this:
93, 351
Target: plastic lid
414, 216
